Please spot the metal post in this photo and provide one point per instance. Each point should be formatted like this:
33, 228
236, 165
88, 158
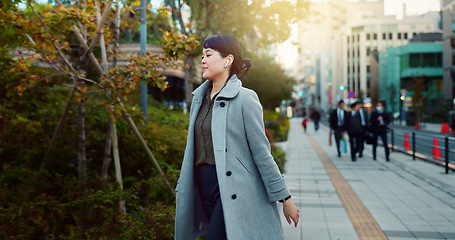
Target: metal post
447, 153
393, 146
143, 30
413, 145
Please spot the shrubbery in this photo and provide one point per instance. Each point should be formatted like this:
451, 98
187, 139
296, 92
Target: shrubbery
277, 124
53, 205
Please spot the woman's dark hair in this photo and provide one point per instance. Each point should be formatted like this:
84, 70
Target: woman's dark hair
225, 45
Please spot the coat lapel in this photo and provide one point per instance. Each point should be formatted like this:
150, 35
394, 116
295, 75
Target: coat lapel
231, 89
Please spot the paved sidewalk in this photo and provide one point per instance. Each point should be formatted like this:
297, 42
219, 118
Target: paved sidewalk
407, 199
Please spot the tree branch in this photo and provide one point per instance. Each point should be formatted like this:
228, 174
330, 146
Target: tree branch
99, 30
52, 40
179, 16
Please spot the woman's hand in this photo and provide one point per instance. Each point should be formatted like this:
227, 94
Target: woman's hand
291, 212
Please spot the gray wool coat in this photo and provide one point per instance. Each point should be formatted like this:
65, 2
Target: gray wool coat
249, 180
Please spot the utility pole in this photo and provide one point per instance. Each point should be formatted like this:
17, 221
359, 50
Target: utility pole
143, 30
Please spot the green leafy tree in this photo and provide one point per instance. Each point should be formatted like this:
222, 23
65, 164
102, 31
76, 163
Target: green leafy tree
46, 67
270, 82
257, 24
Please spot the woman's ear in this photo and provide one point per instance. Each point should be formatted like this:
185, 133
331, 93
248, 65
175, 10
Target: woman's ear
231, 58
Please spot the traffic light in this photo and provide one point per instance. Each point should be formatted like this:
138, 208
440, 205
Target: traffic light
342, 88
300, 93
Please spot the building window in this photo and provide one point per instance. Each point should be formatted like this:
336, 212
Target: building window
405, 35
390, 35
399, 35
428, 60
414, 60
368, 36
368, 51
384, 36
438, 59
375, 36
368, 68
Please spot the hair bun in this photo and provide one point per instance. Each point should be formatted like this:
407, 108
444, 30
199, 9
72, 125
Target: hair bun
247, 64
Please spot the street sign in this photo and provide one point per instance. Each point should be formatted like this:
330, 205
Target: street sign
351, 94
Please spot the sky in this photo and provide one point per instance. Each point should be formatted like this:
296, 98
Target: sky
395, 7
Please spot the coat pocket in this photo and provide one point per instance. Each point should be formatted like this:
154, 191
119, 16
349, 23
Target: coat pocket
243, 164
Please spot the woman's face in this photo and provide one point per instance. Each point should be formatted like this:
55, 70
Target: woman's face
213, 64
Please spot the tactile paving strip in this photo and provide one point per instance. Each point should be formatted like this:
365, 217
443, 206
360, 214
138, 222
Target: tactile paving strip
364, 224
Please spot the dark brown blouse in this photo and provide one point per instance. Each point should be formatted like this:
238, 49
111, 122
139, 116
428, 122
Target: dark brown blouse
203, 132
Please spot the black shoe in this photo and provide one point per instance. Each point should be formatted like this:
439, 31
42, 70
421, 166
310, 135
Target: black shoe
360, 156
353, 159
339, 154
374, 157
387, 159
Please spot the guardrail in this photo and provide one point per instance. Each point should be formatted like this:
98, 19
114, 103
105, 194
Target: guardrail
417, 145
418, 148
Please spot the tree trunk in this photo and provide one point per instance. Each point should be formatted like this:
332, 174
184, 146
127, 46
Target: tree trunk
118, 169
116, 35
107, 158
81, 154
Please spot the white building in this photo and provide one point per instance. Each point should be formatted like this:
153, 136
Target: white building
323, 86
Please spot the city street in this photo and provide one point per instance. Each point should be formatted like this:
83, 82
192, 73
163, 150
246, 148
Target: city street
424, 141
340, 199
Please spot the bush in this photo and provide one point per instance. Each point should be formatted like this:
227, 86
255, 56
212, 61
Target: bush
280, 158
52, 204
277, 124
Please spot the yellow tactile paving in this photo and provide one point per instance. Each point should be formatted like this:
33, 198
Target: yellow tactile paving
364, 224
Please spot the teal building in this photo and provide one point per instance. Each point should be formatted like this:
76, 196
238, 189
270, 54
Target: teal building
413, 71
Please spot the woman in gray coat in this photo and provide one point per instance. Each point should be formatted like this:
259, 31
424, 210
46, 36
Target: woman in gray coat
229, 184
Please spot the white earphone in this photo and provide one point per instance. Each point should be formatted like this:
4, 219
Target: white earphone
225, 65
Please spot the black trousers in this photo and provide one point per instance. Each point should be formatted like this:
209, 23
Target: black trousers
316, 124
362, 143
207, 183
338, 136
383, 135
355, 140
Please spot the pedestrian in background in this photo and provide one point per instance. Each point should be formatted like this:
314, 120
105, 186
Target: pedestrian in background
304, 123
364, 123
229, 183
315, 117
379, 120
355, 129
337, 124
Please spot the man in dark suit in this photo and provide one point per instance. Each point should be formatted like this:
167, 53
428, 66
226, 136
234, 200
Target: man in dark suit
379, 121
337, 123
364, 123
355, 129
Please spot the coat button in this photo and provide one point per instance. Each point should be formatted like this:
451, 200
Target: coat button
229, 173
222, 104
234, 196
